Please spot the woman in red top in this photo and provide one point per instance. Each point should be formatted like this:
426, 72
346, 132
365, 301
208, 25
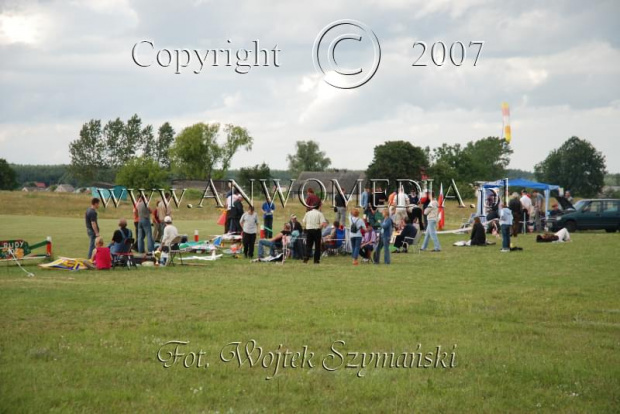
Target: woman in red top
101, 255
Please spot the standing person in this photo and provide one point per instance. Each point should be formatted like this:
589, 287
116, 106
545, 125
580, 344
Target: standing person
515, 207
432, 213
386, 235
159, 214
235, 214
365, 202
249, 224
505, 221
144, 227
136, 221
341, 207
268, 209
539, 207
314, 221
568, 196
526, 205
312, 200
162, 210
402, 202
356, 234
92, 227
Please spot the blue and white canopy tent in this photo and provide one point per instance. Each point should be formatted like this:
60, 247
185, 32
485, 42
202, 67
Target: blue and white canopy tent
523, 183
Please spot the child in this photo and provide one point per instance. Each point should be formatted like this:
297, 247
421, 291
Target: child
101, 255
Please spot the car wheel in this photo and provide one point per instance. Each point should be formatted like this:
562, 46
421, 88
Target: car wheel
571, 226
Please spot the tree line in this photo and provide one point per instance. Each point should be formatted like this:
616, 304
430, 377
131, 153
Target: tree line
138, 156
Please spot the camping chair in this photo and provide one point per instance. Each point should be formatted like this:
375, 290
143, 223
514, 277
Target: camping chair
337, 245
124, 258
412, 242
175, 251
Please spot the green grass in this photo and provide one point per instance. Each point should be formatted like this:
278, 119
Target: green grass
536, 331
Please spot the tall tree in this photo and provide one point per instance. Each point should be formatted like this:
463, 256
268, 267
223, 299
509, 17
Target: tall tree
256, 172
142, 172
113, 133
307, 157
485, 159
395, 160
576, 165
196, 152
8, 178
88, 152
165, 137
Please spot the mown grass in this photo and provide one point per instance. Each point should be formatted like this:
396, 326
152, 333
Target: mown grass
537, 330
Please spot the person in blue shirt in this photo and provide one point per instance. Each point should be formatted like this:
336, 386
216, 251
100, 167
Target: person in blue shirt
505, 221
384, 241
365, 201
268, 209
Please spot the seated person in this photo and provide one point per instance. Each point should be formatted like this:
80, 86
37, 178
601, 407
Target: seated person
273, 243
329, 233
295, 224
409, 231
101, 258
555, 210
369, 240
170, 233
119, 237
478, 235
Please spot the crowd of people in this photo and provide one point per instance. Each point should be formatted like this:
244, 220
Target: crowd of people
369, 229
382, 223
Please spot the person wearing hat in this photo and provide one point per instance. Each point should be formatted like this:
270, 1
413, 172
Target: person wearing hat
170, 233
297, 245
295, 225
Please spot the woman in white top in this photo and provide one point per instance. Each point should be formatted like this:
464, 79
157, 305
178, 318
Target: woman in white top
356, 234
249, 224
432, 214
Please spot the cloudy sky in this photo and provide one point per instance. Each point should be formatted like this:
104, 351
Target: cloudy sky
556, 63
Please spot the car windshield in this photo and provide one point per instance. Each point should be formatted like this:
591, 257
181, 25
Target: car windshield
579, 204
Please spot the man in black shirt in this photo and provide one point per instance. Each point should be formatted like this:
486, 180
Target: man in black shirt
92, 227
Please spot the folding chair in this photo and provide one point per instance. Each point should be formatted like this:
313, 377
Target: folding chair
175, 251
412, 242
335, 246
124, 258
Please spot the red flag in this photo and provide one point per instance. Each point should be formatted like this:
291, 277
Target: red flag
442, 215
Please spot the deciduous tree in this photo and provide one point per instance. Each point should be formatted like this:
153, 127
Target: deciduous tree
196, 152
395, 160
576, 165
307, 157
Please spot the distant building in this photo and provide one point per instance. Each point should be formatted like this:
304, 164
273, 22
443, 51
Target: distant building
41, 186
220, 185
64, 188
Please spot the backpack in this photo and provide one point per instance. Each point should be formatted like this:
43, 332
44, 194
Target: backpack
354, 228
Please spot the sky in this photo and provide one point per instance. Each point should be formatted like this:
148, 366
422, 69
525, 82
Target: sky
556, 63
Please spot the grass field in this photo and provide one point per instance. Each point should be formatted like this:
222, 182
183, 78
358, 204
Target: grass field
535, 331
